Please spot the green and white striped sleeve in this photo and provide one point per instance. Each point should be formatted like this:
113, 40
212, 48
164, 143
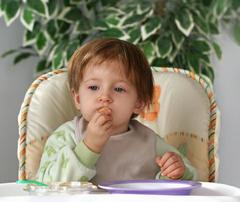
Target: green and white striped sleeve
64, 159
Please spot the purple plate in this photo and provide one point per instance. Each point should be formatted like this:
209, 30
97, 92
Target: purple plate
160, 187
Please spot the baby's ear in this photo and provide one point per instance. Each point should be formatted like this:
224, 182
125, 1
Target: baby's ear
76, 98
139, 106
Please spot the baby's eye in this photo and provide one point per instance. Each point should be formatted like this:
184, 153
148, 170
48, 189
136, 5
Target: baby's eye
93, 87
119, 89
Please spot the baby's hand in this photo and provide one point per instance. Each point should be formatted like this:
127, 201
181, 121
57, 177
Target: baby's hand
171, 165
97, 132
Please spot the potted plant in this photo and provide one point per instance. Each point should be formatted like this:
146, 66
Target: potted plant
176, 33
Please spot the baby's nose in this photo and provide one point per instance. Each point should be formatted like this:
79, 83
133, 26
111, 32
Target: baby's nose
105, 99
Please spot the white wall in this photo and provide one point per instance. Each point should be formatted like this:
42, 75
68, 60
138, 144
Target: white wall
14, 81
227, 84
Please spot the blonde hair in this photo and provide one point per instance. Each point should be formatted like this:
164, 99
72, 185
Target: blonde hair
137, 68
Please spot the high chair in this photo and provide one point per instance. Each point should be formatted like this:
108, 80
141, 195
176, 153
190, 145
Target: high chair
184, 112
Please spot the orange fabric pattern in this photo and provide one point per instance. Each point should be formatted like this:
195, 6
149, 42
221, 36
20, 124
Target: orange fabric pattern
152, 113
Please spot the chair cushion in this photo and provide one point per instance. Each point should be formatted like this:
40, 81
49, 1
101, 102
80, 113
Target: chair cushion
182, 113
47, 104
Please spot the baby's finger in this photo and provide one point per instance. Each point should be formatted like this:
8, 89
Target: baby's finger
107, 125
95, 117
175, 173
102, 119
166, 171
166, 159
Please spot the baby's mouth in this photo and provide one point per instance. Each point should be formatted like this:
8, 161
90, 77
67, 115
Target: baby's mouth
104, 110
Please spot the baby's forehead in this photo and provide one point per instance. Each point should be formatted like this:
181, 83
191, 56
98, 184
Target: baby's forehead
111, 66
112, 72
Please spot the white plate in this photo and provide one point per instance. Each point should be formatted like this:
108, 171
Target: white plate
162, 187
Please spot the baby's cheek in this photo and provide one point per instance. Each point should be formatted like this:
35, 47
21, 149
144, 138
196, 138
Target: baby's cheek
87, 115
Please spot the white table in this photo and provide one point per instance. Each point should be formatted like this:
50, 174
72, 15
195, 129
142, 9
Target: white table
209, 192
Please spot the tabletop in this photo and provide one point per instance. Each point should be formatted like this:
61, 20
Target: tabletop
209, 192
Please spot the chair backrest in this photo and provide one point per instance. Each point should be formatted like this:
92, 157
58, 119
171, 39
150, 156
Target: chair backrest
184, 112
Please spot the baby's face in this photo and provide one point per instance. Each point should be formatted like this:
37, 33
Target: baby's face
105, 89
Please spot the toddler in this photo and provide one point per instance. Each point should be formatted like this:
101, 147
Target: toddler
111, 83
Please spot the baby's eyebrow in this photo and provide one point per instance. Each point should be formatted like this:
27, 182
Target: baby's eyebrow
93, 79
121, 81
124, 82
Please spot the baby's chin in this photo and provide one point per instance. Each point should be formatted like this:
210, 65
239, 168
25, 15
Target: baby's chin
116, 129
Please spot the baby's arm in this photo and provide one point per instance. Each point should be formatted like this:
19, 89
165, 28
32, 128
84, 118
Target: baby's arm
98, 130
172, 163
63, 160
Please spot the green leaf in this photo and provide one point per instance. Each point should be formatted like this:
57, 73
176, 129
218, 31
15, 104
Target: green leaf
20, 57
60, 47
56, 48
66, 3
58, 60
160, 62
112, 10
75, 2
112, 21
133, 20
184, 22
173, 54
38, 6
130, 6
217, 50
206, 2
220, 7
71, 14
41, 43
135, 35
65, 37
11, 11
201, 46
145, 8
193, 62
235, 4
9, 52
201, 24
236, 33
213, 28
208, 71
2, 7
205, 58
63, 26
30, 37
52, 6
177, 37
100, 24
51, 29
149, 50
115, 33
27, 19
108, 3
71, 49
164, 46
83, 26
42, 65
151, 27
